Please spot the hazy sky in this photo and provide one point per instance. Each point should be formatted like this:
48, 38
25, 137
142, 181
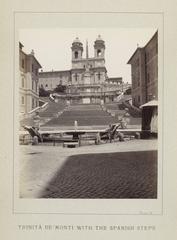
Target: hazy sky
52, 47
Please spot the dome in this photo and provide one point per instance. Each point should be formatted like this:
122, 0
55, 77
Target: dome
99, 38
77, 44
99, 42
76, 40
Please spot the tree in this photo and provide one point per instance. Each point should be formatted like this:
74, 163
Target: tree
128, 91
60, 89
43, 92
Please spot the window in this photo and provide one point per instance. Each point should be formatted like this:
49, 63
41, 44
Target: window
76, 54
137, 63
146, 57
32, 102
98, 53
150, 97
156, 48
76, 77
36, 86
32, 67
46, 85
23, 100
99, 76
36, 72
23, 63
32, 84
23, 82
148, 77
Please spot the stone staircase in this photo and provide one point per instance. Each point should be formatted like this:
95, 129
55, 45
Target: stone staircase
84, 114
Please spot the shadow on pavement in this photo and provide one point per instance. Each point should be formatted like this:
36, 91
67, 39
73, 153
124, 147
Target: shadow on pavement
109, 175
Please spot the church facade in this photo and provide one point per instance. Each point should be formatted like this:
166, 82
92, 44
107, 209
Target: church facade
87, 80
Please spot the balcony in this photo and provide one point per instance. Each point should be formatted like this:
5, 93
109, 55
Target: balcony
81, 85
89, 94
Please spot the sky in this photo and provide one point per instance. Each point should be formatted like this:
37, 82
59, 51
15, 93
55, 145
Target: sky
52, 46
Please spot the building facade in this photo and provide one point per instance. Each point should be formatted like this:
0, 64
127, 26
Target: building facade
144, 70
87, 80
28, 81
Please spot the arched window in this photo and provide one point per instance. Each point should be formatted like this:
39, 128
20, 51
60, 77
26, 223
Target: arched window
76, 54
98, 53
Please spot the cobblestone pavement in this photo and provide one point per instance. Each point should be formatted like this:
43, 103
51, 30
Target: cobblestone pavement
114, 170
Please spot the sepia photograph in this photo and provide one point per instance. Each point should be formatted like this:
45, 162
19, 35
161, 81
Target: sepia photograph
88, 113
88, 143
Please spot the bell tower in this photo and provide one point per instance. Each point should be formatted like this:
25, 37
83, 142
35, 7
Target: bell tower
99, 47
77, 49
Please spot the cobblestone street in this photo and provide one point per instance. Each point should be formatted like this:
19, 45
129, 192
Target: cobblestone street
113, 170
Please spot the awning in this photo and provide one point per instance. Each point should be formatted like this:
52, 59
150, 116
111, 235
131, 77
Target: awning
152, 103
